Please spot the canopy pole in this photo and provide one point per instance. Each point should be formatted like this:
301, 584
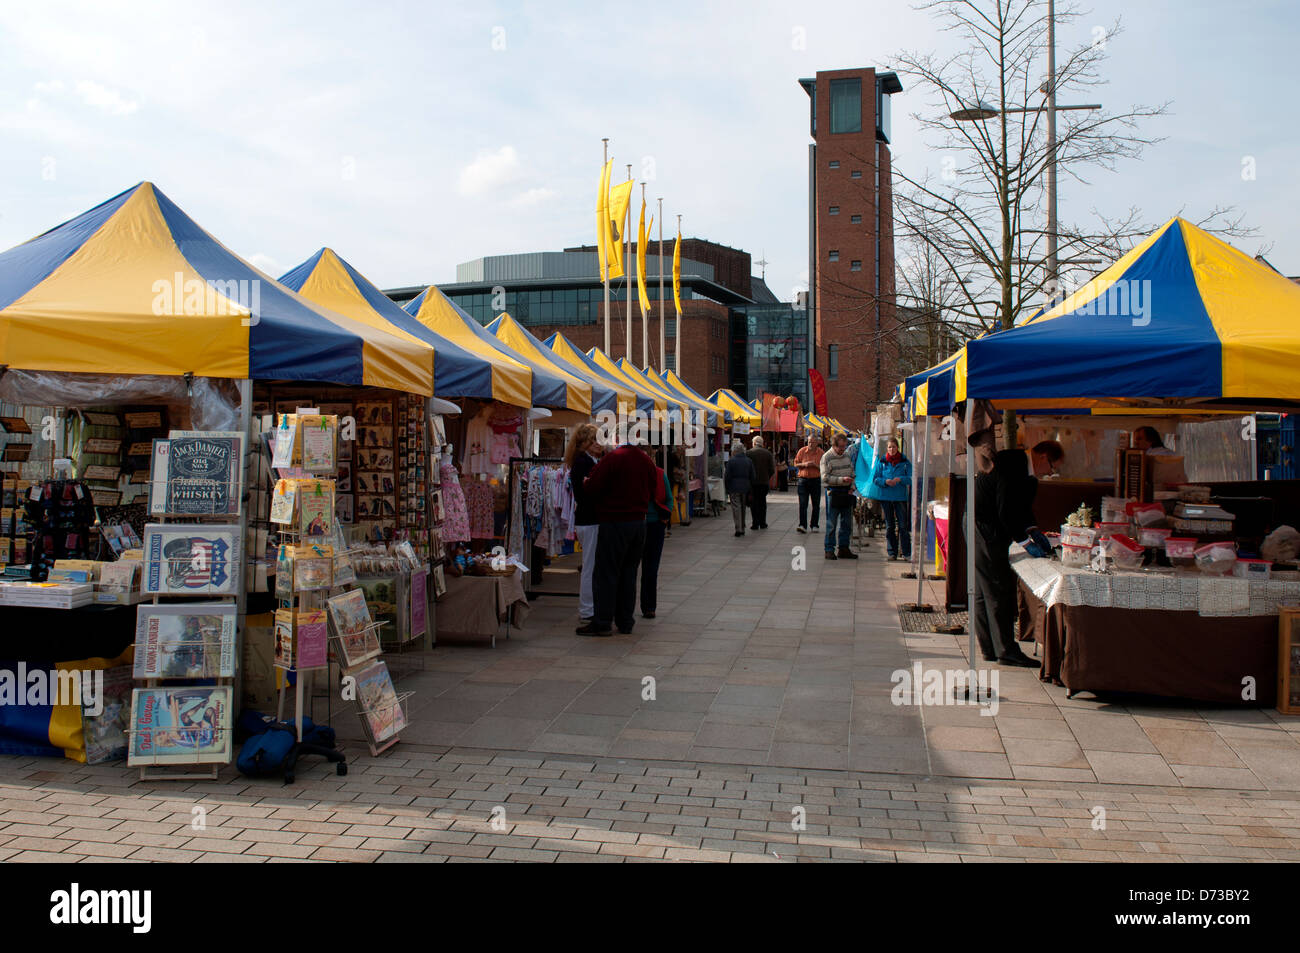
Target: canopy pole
918, 538
970, 530
645, 318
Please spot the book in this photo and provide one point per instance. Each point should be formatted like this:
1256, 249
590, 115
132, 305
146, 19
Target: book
194, 640
315, 508
121, 575
377, 699
203, 475
350, 618
185, 560
178, 726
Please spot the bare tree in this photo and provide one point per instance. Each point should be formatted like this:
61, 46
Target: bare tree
982, 217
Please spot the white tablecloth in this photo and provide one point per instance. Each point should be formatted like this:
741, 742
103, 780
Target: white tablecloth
1179, 592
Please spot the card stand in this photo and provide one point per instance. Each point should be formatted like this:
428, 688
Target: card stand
176, 767
379, 747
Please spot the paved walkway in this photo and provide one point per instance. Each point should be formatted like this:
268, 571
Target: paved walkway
770, 735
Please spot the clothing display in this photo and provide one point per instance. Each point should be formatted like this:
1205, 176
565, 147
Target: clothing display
478, 501
542, 508
455, 524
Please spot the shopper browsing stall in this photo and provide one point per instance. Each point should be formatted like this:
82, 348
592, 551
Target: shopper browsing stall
580, 458
837, 478
891, 485
656, 524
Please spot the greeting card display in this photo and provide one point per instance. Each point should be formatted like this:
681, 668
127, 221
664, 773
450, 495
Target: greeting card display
315, 508
301, 639
183, 725
353, 628
183, 560
319, 442
377, 699
194, 640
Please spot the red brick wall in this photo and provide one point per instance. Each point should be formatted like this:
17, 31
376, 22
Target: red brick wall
704, 346
846, 300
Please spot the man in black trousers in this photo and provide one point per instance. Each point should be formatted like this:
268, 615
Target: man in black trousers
1004, 514
622, 486
764, 469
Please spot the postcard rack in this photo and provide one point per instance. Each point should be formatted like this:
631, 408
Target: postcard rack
298, 600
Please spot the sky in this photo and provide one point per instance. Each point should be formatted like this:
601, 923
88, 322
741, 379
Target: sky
411, 137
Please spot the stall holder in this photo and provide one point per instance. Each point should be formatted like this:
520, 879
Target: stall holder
1189, 636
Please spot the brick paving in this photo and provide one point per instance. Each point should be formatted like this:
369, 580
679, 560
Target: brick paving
772, 706
419, 804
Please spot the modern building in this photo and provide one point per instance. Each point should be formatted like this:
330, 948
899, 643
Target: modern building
735, 332
851, 239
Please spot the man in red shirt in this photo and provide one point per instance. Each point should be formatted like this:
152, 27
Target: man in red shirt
621, 486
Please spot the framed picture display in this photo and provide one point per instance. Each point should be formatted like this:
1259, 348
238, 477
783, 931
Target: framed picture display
181, 725
191, 560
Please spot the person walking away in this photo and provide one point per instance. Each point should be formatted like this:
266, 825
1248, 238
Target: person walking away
1004, 514
837, 477
580, 458
808, 464
622, 485
764, 470
656, 525
737, 478
783, 467
893, 484
681, 501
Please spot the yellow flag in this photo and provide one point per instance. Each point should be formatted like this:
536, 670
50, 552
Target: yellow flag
640, 260
677, 275
620, 196
602, 217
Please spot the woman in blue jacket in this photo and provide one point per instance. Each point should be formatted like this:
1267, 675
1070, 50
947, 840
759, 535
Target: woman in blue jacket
893, 482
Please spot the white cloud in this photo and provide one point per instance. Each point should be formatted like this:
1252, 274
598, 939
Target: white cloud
534, 197
490, 171
101, 97
266, 264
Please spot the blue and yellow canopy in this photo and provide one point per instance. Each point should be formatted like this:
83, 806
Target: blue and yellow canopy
436, 311
135, 286
736, 405
1183, 316
584, 395
570, 355
678, 386
329, 280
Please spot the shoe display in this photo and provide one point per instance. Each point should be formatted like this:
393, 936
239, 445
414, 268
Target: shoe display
831, 555
847, 554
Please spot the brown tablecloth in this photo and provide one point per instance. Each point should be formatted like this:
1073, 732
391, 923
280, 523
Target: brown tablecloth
1173, 654
473, 607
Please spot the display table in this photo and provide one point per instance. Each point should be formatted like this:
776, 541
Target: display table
478, 607
1180, 636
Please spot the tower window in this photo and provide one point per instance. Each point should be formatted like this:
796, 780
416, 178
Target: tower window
834, 210
835, 256
833, 362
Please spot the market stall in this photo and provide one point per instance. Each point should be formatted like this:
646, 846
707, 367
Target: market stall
132, 341
1182, 323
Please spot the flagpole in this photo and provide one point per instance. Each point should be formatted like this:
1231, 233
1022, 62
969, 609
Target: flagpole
663, 359
677, 347
605, 274
627, 281
645, 318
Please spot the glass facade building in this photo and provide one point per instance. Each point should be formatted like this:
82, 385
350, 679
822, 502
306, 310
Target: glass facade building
567, 307
769, 351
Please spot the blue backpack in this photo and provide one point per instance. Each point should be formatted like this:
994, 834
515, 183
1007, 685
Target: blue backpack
273, 748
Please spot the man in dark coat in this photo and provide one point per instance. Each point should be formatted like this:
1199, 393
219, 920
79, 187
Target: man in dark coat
764, 470
1004, 514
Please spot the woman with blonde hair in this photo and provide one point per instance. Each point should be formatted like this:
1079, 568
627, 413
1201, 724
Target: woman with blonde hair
580, 458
